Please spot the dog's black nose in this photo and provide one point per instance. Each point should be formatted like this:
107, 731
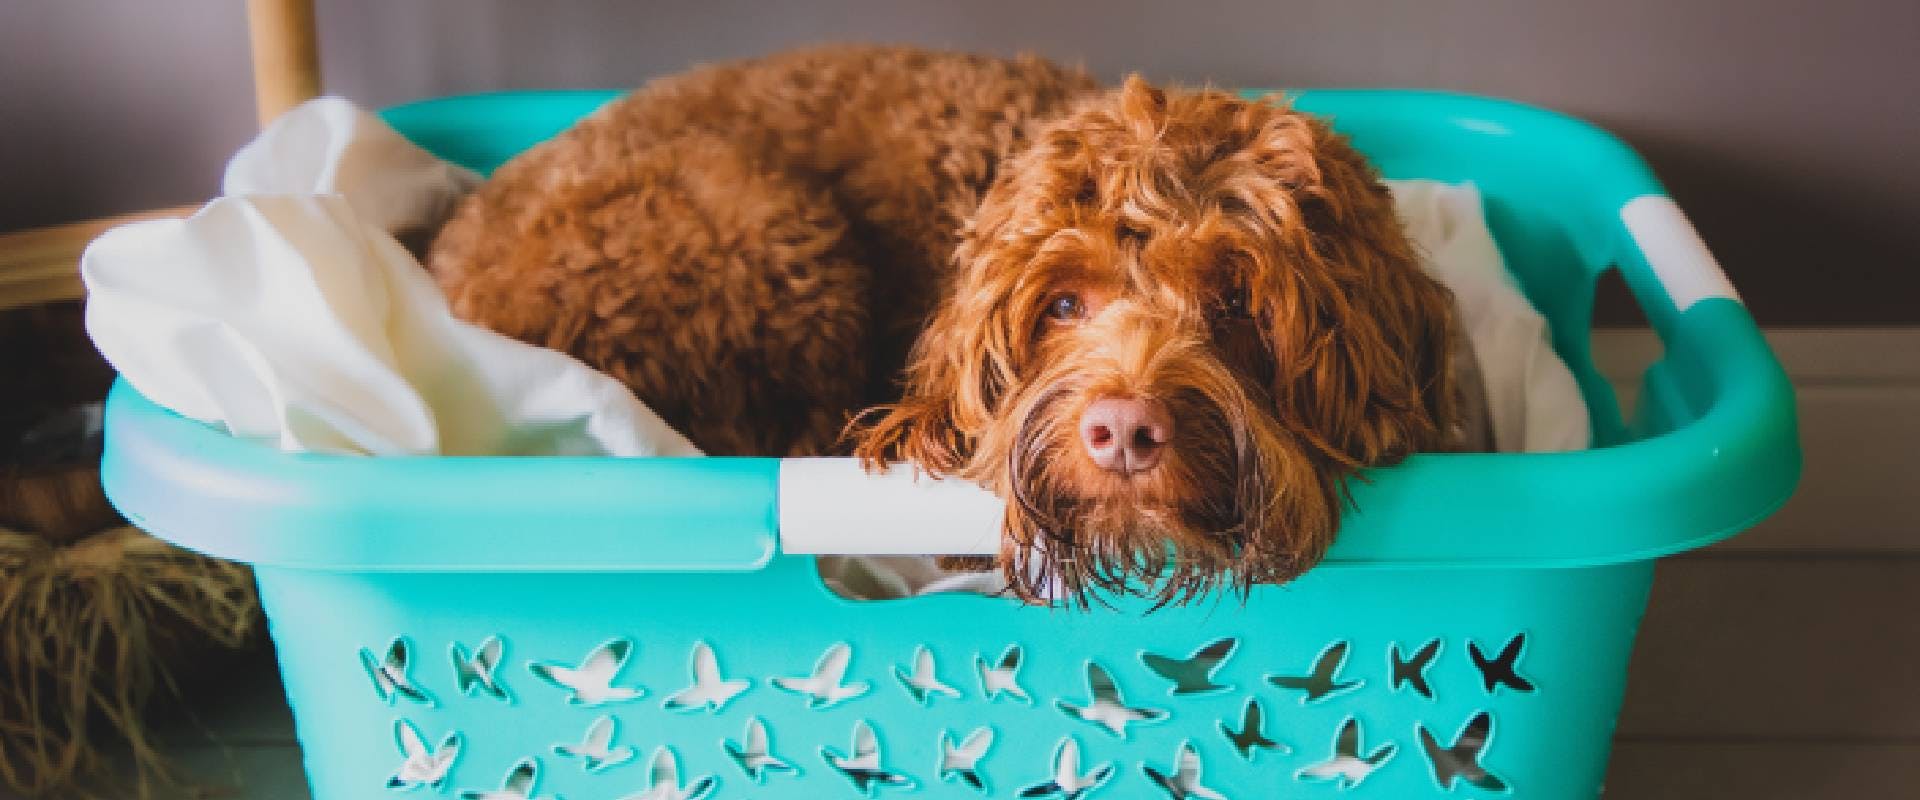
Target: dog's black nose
1125, 434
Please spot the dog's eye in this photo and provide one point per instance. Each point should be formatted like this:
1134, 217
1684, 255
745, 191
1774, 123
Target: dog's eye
1233, 304
1066, 307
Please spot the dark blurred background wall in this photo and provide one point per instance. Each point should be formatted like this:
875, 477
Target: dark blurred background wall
1789, 130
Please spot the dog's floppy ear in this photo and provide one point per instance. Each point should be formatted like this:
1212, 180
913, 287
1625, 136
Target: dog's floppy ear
950, 385
963, 362
1361, 336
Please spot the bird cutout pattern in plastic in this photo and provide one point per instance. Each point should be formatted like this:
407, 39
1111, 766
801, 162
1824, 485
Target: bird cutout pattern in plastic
591, 683
1105, 707
1067, 782
1183, 781
921, 683
1002, 677
1252, 737
391, 676
1348, 768
477, 672
663, 782
1503, 669
1193, 675
826, 686
709, 691
1323, 681
1411, 671
754, 753
597, 681
522, 781
863, 767
961, 763
1461, 762
595, 749
421, 765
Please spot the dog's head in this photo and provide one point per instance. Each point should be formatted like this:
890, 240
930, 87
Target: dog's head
1180, 321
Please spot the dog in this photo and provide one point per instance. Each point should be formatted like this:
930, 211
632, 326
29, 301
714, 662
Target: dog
1167, 326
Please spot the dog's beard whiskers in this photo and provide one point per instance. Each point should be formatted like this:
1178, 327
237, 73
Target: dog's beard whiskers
1178, 529
1210, 516
1202, 540
1053, 530
1029, 480
1045, 551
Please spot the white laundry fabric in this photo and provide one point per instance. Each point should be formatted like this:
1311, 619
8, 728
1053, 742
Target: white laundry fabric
1531, 397
286, 311
330, 146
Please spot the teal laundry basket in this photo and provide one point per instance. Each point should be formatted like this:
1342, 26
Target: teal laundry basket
656, 628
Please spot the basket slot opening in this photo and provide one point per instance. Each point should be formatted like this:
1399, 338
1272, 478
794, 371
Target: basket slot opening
1623, 353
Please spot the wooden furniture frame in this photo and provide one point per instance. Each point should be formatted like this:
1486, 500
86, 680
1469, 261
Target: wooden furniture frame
41, 265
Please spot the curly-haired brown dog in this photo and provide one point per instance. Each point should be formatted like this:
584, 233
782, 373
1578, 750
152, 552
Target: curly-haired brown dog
1166, 326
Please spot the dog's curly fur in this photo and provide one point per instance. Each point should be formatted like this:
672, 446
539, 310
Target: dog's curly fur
752, 246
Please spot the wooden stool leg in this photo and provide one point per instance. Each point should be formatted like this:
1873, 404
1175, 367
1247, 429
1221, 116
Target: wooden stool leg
286, 55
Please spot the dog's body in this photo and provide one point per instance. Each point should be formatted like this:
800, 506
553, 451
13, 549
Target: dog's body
1164, 326
752, 246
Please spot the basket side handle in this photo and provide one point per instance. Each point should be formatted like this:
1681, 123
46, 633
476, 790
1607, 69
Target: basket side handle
1663, 246
1717, 397
830, 506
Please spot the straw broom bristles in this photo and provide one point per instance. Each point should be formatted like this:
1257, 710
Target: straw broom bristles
92, 613
86, 630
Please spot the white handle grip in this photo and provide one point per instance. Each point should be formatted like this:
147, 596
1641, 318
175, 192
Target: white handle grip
829, 506
1675, 251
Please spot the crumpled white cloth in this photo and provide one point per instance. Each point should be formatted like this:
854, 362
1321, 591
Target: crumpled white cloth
284, 310
1534, 402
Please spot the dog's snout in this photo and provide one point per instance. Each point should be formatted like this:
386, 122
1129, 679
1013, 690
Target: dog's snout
1125, 434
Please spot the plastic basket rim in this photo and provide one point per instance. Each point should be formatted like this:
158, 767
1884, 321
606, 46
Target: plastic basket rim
267, 501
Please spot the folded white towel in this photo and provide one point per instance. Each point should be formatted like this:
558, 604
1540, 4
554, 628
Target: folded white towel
285, 310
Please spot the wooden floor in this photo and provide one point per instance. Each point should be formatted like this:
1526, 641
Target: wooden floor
1783, 665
